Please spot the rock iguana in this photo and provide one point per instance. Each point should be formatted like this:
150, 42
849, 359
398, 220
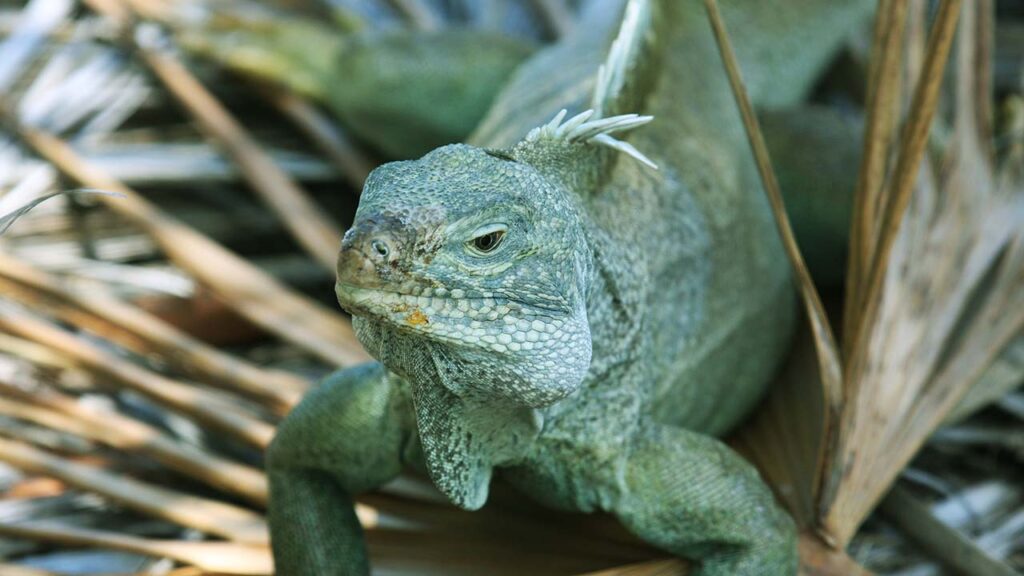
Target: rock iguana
545, 302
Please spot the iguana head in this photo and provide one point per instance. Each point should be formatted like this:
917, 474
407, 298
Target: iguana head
467, 273
468, 269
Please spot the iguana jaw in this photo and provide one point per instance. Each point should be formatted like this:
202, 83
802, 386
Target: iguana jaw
481, 345
489, 322
464, 432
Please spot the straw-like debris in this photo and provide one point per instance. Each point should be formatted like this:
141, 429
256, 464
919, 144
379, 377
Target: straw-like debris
150, 341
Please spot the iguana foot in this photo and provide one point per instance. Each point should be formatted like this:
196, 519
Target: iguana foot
347, 436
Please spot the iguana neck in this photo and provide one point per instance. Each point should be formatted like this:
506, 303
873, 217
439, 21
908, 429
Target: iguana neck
577, 168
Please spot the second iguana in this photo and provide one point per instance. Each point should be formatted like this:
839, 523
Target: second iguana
547, 304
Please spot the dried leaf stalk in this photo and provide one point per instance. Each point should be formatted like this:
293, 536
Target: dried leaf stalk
59, 412
218, 557
242, 286
183, 398
209, 516
145, 334
829, 365
941, 294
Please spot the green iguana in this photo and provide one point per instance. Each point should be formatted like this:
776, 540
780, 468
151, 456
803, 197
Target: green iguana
547, 303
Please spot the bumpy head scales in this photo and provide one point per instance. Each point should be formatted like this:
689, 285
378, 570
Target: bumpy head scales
469, 268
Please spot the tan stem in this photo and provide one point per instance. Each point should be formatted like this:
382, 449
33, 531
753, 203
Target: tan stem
209, 516
244, 287
147, 335
60, 412
218, 557
186, 399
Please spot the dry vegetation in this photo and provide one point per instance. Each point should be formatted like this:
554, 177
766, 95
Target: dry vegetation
150, 340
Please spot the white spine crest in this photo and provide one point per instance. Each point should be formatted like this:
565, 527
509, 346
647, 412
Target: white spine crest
611, 76
590, 126
580, 129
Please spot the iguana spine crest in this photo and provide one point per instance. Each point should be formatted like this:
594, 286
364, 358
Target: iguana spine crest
580, 129
590, 126
611, 76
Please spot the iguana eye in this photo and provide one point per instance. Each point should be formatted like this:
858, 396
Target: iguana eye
487, 239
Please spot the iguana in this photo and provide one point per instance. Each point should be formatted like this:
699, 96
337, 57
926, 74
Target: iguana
580, 312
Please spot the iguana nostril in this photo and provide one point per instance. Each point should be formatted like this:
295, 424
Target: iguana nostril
380, 248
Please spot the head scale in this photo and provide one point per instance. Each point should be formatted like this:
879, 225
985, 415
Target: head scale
467, 273
468, 269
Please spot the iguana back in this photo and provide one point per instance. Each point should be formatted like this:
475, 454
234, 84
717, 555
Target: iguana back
715, 303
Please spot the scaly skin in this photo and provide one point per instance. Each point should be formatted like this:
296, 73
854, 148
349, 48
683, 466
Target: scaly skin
559, 311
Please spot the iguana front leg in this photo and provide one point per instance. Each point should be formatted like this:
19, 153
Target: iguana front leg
347, 436
689, 494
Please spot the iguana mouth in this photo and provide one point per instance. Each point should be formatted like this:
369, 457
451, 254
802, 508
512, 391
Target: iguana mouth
401, 308
423, 312
426, 292
496, 325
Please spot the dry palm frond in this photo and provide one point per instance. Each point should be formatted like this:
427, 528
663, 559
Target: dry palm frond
942, 541
144, 334
910, 387
15, 570
29, 351
258, 297
883, 97
934, 290
244, 287
57, 411
940, 296
308, 224
354, 165
829, 366
7, 217
219, 557
255, 295
189, 400
209, 516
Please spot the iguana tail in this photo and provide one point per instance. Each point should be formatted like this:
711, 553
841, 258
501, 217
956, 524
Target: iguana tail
295, 52
403, 92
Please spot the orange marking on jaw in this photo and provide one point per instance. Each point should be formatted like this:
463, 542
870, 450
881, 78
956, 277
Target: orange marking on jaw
417, 318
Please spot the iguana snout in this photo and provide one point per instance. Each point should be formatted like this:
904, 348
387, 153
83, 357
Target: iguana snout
372, 253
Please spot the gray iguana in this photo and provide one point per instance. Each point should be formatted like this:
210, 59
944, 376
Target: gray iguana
544, 302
